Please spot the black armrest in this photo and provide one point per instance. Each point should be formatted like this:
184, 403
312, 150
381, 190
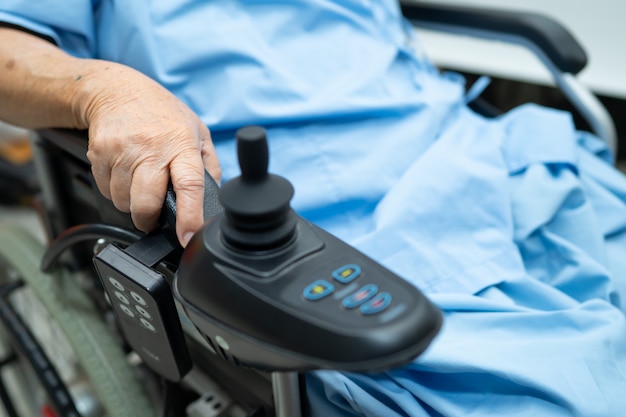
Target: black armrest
70, 140
556, 42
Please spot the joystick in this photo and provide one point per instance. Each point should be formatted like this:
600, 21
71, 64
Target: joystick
272, 291
256, 204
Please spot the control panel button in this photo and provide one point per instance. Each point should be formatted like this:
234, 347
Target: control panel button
377, 304
360, 296
138, 298
143, 312
147, 324
118, 285
127, 310
347, 273
318, 290
122, 297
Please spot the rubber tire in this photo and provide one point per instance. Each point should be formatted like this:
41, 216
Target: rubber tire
96, 349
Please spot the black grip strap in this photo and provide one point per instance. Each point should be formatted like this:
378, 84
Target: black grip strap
212, 206
554, 40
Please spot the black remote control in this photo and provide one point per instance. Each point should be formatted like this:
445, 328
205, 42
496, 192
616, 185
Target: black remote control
142, 301
142, 298
272, 291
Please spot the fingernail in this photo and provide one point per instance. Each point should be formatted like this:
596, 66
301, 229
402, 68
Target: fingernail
186, 238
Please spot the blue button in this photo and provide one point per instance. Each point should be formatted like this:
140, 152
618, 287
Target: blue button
347, 273
360, 296
318, 290
377, 304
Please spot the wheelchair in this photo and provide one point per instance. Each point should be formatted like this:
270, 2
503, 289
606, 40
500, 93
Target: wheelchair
65, 306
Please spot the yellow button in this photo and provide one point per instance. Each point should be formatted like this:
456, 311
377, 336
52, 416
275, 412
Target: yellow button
319, 289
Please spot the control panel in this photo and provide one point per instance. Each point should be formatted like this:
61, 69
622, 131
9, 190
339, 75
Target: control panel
272, 291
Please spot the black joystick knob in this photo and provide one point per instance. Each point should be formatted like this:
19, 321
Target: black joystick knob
257, 213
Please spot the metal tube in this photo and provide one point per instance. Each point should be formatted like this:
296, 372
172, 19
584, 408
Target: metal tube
286, 389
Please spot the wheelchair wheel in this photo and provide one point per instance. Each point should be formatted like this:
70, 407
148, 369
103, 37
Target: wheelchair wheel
58, 356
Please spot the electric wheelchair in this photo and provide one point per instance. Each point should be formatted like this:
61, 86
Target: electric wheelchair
110, 321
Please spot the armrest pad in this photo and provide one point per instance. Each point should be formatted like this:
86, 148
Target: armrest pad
70, 140
556, 42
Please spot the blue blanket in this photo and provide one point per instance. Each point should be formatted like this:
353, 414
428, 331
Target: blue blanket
515, 227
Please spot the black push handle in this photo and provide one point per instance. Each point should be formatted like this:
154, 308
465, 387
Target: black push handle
554, 40
211, 203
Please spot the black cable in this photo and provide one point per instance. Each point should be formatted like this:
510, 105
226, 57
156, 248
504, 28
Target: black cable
81, 233
7, 288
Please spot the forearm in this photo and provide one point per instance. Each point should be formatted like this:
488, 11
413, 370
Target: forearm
140, 135
40, 85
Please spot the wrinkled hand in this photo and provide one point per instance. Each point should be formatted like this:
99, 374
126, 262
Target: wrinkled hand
140, 137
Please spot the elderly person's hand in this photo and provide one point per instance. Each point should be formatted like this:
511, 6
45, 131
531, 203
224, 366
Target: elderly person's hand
140, 136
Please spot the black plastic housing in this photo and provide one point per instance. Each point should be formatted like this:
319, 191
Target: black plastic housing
251, 308
272, 291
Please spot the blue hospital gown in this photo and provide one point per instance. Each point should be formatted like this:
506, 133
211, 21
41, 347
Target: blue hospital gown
515, 227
